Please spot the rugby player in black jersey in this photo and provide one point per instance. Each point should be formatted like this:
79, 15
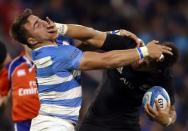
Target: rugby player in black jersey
117, 106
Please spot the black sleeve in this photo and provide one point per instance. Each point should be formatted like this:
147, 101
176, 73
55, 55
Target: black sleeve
116, 42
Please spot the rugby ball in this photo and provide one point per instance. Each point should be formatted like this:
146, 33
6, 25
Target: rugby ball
156, 93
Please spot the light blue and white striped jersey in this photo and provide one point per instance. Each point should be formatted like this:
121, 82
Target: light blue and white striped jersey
59, 88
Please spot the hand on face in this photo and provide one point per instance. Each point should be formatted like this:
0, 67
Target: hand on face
155, 50
51, 28
40, 30
158, 115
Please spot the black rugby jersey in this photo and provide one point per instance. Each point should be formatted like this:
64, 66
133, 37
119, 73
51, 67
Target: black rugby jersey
118, 104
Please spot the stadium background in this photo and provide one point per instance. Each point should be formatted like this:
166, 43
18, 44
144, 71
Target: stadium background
164, 20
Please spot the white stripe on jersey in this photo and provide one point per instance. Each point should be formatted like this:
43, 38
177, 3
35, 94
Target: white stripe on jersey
43, 62
53, 80
49, 123
70, 94
60, 110
15, 127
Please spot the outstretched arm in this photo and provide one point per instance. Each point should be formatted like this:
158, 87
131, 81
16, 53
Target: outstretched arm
118, 58
86, 34
91, 36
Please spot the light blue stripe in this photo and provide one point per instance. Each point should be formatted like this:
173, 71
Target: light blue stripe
48, 71
76, 102
44, 72
59, 87
43, 52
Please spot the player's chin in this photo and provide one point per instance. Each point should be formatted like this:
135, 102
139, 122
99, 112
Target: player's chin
53, 36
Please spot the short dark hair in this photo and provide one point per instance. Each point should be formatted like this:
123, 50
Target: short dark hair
169, 60
18, 31
3, 53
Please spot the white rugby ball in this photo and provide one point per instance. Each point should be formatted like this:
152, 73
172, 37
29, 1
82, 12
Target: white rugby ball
156, 93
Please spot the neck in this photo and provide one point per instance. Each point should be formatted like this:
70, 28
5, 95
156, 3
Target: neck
8, 59
28, 54
44, 43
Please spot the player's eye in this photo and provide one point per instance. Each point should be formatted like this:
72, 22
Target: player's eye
36, 25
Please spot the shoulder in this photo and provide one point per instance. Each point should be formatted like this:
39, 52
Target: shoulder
14, 64
66, 52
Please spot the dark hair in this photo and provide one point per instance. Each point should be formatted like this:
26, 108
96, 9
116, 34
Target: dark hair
18, 31
169, 60
3, 53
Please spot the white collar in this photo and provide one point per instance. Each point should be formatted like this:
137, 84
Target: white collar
44, 47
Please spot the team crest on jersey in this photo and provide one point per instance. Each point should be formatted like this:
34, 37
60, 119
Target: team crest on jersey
127, 83
76, 73
21, 72
120, 70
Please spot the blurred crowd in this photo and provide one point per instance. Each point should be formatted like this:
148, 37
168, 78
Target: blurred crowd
164, 20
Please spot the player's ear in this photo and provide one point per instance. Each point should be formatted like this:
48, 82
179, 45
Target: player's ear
32, 41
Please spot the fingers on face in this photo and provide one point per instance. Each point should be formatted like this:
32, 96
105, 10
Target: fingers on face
154, 41
49, 20
50, 23
52, 30
51, 26
167, 50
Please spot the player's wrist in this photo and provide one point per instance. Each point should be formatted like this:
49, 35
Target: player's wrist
115, 32
61, 28
143, 52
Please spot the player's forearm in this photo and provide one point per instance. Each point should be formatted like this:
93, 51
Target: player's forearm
119, 58
112, 59
83, 33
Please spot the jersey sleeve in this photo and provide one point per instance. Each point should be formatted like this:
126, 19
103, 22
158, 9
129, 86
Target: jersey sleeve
4, 82
67, 58
116, 42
